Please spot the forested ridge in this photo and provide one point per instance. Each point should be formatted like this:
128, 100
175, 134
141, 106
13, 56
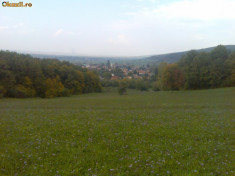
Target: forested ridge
24, 76
198, 70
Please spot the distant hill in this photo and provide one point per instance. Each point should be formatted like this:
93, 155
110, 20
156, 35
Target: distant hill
173, 57
140, 60
89, 59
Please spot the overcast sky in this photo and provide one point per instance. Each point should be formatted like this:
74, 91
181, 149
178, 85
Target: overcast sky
117, 27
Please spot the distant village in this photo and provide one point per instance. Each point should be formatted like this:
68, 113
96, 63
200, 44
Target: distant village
116, 71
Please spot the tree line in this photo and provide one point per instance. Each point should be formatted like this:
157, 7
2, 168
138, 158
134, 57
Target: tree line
195, 70
198, 70
24, 76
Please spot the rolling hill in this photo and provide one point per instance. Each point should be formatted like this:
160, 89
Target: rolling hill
139, 60
173, 57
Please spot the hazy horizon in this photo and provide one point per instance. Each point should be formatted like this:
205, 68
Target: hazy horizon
100, 56
127, 28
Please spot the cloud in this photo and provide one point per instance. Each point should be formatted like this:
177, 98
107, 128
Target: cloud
77, 33
191, 9
66, 33
119, 40
12, 27
2, 28
58, 32
176, 26
18, 25
153, 1
122, 25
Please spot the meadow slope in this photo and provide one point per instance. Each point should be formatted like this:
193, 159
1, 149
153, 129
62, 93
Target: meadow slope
141, 133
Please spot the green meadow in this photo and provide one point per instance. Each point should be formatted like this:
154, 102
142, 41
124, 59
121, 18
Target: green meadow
142, 133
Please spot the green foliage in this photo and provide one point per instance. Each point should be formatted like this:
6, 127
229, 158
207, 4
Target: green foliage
172, 78
230, 69
207, 70
122, 90
92, 83
107, 75
7, 79
110, 83
2, 91
219, 53
155, 86
131, 83
158, 85
118, 72
198, 70
138, 84
21, 91
141, 85
123, 84
54, 88
23, 76
75, 82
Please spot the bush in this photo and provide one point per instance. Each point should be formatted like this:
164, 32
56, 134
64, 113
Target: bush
54, 88
122, 90
65, 92
20, 91
142, 86
155, 86
2, 91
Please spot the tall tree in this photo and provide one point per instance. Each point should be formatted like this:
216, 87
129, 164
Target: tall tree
172, 78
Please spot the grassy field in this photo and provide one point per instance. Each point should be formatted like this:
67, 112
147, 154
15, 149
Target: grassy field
141, 133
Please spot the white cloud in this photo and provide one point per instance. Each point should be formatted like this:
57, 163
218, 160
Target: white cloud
177, 26
191, 9
58, 32
18, 25
120, 40
77, 33
122, 25
66, 33
153, 1
2, 28
11, 27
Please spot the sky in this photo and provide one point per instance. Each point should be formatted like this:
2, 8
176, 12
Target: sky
116, 27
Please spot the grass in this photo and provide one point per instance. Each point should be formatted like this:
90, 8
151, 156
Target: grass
142, 133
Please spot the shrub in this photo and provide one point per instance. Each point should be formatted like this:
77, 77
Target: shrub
2, 91
122, 90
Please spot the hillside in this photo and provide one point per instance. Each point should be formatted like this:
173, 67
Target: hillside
22, 76
174, 57
90, 59
135, 60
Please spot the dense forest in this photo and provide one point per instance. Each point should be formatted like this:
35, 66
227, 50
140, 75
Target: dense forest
24, 76
198, 70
